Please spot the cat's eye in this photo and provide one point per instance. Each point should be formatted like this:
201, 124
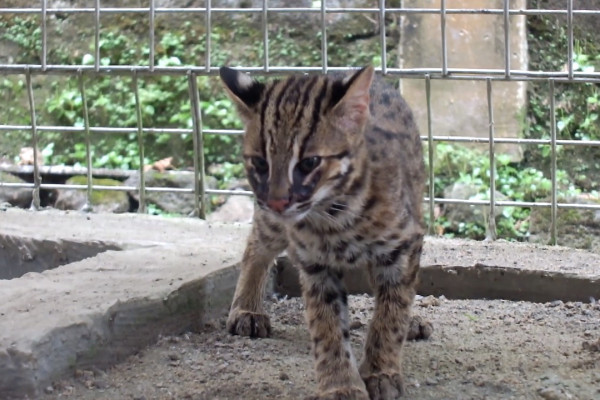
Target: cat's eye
307, 165
260, 165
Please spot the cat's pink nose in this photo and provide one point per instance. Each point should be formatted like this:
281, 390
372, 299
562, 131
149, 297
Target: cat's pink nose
278, 205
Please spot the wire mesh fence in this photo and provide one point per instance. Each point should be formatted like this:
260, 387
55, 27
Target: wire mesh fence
209, 14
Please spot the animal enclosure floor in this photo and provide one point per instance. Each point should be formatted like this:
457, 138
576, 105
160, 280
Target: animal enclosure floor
480, 349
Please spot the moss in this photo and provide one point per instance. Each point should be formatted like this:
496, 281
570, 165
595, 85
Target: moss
9, 178
101, 196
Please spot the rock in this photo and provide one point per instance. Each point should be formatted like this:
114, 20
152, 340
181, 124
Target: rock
177, 203
235, 209
579, 229
111, 201
17, 197
460, 213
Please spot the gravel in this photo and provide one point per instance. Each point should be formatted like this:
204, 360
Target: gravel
480, 349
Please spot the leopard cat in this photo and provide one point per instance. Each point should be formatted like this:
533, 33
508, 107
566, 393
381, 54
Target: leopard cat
336, 166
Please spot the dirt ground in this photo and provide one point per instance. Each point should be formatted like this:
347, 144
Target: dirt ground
480, 349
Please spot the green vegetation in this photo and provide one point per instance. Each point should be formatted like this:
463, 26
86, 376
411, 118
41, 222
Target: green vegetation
165, 103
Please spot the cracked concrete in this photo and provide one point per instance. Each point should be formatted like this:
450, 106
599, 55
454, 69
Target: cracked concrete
146, 276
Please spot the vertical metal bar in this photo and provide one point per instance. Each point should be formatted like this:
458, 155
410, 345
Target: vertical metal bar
382, 36
44, 34
430, 149
88, 146
570, 39
506, 39
402, 21
97, 36
554, 206
265, 29
323, 36
208, 37
444, 43
37, 179
199, 189
151, 44
491, 226
140, 135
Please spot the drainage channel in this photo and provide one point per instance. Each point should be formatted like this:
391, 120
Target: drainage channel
20, 255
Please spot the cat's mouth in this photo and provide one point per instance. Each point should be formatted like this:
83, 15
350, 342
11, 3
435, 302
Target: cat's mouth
294, 212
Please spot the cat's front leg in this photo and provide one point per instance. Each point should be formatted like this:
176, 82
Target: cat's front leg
247, 316
326, 304
394, 276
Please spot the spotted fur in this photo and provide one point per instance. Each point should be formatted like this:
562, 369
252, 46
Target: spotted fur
336, 165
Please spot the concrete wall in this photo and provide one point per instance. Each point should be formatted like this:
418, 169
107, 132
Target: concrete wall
460, 108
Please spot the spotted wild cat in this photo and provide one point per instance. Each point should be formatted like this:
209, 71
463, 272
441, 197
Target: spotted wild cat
336, 165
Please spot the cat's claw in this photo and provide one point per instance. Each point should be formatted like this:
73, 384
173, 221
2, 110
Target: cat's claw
382, 386
246, 323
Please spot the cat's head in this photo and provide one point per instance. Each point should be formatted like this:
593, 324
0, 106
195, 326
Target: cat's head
303, 135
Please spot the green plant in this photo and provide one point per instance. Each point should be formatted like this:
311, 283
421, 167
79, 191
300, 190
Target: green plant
455, 164
26, 33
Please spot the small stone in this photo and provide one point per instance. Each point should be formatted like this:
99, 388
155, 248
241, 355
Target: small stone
283, 376
429, 301
554, 394
101, 384
356, 324
49, 390
591, 346
174, 356
431, 381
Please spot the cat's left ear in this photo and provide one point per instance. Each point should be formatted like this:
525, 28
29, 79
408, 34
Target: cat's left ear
352, 111
243, 90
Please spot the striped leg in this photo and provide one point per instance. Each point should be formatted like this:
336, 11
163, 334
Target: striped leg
247, 316
394, 278
326, 304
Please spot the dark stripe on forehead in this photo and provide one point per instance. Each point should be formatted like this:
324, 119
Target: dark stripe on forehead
282, 92
294, 92
316, 114
311, 82
263, 111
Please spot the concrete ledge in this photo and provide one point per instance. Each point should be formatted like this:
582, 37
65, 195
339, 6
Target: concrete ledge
100, 310
174, 274
466, 269
171, 277
471, 282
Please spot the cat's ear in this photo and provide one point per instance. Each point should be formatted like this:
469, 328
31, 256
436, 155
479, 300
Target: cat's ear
243, 90
352, 111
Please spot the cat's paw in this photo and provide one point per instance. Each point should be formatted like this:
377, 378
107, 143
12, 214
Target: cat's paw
341, 394
382, 386
246, 323
419, 329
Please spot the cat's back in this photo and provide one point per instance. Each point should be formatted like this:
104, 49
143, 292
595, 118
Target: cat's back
393, 140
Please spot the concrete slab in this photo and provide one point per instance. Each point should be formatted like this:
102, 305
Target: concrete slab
171, 275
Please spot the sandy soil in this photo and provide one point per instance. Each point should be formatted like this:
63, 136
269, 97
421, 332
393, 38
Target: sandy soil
480, 349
